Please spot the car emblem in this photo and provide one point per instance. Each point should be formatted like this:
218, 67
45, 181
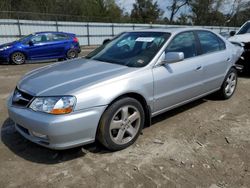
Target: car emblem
17, 96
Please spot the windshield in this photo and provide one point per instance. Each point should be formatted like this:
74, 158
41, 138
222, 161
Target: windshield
24, 38
133, 49
245, 29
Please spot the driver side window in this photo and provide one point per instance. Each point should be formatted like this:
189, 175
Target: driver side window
183, 42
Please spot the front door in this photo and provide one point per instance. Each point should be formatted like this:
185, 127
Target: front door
176, 83
41, 47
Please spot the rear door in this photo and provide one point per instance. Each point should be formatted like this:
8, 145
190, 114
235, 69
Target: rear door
60, 43
215, 60
176, 83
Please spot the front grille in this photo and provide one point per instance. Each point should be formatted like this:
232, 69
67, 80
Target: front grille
21, 98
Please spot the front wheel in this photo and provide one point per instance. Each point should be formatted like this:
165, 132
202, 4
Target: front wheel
121, 124
18, 58
229, 85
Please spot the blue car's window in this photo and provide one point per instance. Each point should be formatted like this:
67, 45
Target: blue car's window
134, 49
210, 42
183, 42
58, 37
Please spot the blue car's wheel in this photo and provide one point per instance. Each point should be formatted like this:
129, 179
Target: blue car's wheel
18, 58
71, 54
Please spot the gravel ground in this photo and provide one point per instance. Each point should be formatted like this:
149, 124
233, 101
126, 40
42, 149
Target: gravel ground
203, 144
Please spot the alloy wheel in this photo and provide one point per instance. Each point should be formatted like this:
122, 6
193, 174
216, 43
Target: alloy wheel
18, 58
125, 124
230, 84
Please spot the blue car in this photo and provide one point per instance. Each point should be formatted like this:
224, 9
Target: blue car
41, 46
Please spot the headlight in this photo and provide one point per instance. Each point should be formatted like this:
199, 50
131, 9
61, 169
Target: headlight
5, 48
54, 105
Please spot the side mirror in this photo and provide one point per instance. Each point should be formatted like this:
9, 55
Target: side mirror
232, 33
173, 57
31, 43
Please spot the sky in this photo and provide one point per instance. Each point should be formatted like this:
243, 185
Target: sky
127, 5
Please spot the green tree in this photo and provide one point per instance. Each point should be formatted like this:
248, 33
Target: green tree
207, 12
174, 8
145, 11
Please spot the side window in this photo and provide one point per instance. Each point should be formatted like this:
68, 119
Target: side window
58, 37
184, 42
210, 42
40, 38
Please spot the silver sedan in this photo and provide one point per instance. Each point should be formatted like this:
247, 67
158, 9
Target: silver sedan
114, 91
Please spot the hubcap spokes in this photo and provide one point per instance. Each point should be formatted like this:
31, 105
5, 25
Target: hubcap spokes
72, 55
125, 124
18, 58
230, 84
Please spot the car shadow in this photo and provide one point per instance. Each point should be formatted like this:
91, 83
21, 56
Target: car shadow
244, 74
38, 154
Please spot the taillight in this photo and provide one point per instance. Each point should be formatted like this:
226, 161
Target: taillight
75, 39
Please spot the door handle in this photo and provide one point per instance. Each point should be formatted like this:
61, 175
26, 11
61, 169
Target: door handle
198, 68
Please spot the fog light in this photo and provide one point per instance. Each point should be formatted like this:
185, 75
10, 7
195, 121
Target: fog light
39, 135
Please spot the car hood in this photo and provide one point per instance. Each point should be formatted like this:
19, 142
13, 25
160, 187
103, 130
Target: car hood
8, 44
240, 38
67, 77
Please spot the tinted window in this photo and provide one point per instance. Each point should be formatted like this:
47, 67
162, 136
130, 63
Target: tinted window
184, 42
134, 49
210, 42
58, 37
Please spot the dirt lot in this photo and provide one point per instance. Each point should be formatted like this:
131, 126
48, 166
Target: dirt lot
203, 144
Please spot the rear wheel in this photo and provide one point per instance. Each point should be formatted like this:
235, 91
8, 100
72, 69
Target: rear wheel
121, 124
18, 58
229, 85
71, 54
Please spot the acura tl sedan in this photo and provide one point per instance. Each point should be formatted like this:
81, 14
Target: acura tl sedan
114, 91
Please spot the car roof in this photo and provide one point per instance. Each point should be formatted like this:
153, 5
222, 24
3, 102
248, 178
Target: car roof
43, 32
172, 30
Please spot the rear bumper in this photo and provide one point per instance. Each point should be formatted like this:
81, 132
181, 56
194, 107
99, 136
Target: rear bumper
57, 131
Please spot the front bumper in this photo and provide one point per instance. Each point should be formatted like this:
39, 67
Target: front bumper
4, 57
245, 60
59, 131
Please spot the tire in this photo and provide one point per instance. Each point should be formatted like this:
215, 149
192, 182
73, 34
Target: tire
18, 58
121, 124
229, 85
71, 54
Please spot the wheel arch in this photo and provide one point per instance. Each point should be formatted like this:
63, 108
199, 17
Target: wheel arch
139, 98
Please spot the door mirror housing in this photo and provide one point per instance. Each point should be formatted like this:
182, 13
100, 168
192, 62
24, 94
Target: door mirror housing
31, 43
232, 33
173, 57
